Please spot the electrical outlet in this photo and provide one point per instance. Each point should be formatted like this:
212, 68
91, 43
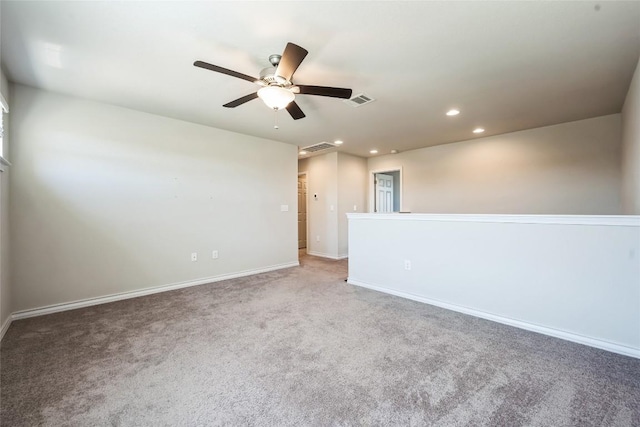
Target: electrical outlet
214, 255
407, 264
194, 256
355, 208
331, 208
317, 238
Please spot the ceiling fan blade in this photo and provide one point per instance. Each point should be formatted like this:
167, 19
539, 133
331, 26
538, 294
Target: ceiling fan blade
295, 111
291, 59
231, 73
334, 92
240, 101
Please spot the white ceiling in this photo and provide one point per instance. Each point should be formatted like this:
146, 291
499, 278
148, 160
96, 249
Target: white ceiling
506, 65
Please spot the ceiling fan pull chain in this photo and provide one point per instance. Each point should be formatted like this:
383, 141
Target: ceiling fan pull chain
275, 118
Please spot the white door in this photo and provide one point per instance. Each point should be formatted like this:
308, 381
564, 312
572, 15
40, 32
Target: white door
384, 193
302, 211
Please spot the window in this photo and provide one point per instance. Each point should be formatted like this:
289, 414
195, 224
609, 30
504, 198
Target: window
4, 109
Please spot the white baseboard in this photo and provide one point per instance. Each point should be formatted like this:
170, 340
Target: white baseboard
323, 255
56, 308
592, 342
5, 326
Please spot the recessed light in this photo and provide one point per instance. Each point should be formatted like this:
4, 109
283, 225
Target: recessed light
373, 151
478, 130
453, 112
338, 142
302, 153
394, 151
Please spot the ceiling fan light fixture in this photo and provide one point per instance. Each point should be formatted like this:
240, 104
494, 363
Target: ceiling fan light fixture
276, 97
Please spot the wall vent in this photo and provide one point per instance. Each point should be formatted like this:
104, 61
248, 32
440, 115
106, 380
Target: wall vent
319, 147
359, 100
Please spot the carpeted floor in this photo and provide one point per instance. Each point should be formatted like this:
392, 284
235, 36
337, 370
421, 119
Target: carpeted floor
301, 347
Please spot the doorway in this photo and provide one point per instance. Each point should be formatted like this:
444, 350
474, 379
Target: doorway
302, 211
385, 191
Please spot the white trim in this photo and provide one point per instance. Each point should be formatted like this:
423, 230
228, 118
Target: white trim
6, 325
3, 104
616, 220
56, 308
323, 255
3, 163
4, 108
592, 342
372, 186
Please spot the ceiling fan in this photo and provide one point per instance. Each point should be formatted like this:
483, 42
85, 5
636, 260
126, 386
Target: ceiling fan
278, 91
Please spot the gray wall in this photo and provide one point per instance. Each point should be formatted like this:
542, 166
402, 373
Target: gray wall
322, 221
571, 168
631, 147
352, 191
339, 180
107, 200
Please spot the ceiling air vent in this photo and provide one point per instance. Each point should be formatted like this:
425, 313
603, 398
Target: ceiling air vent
318, 147
359, 100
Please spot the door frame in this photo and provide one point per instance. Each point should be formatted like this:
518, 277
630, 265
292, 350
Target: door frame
372, 186
306, 201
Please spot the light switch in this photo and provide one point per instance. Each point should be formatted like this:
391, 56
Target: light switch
284, 208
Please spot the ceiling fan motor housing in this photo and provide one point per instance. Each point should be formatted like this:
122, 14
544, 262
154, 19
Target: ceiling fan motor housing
268, 77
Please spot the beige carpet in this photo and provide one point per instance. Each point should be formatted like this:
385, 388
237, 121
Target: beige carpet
301, 347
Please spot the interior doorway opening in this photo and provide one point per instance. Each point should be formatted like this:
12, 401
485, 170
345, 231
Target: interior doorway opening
385, 191
302, 211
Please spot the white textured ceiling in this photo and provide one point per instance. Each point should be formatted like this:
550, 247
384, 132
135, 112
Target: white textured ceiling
506, 65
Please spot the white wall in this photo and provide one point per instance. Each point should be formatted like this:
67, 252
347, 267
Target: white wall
107, 200
352, 190
339, 181
570, 168
575, 277
5, 287
631, 147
